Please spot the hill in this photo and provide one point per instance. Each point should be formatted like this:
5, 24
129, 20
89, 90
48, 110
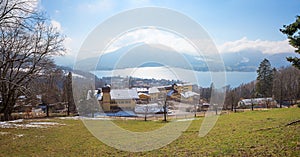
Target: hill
143, 55
253, 133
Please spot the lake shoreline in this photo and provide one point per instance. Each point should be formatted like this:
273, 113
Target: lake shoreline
202, 78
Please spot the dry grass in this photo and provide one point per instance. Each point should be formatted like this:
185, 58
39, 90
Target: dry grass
256, 133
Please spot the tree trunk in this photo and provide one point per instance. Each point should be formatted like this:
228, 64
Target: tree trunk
68, 109
281, 93
47, 110
195, 108
8, 108
165, 111
216, 108
7, 113
232, 101
7, 116
234, 108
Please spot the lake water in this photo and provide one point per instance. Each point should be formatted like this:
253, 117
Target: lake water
204, 79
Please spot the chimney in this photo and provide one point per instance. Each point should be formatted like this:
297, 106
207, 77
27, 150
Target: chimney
106, 89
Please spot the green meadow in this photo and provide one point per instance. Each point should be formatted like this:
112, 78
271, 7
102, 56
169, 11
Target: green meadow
274, 132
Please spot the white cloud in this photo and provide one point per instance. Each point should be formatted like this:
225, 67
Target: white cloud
152, 35
265, 46
96, 6
68, 45
68, 42
138, 3
56, 25
57, 11
245, 60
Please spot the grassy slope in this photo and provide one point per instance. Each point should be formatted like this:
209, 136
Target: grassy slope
257, 133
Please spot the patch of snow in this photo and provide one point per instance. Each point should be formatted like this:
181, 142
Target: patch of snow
84, 118
45, 123
19, 135
184, 120
31, 126
12, 124
16, 121
97, 118
38, 120
6, 125
77, 75
4, 133
72, 118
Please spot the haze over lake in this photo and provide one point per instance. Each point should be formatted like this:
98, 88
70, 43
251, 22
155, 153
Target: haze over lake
204, 79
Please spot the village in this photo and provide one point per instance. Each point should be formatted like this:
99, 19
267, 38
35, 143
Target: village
149, 78
143, 97
148, 100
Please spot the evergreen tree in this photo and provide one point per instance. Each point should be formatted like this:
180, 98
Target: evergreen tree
293, 34
68, 91
264, 79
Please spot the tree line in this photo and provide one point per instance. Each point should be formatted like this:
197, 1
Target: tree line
281, 84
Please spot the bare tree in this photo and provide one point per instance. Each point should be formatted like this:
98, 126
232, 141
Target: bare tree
146, 111
26, 48
286, 84
278, 86
233, 96
231, 99
14, 13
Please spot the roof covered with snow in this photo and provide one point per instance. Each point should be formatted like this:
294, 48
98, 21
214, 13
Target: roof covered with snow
94, 94
184, 84
148, 108
143, 90
153, 90
140, 94
255, 100
189, 94
119, 94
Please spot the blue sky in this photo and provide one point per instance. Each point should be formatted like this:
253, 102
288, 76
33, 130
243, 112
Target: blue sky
232, 24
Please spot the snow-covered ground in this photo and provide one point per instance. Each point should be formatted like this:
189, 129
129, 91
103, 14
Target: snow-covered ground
77, 75
85, 118
184, 120
20, 123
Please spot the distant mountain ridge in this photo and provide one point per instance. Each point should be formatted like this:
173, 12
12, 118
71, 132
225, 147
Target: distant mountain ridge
142, 55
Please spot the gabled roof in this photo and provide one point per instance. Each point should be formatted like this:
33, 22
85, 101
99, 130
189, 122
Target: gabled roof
189, 94
119, 94
184, 84
255, 100
153, 90
143, 94
141, 89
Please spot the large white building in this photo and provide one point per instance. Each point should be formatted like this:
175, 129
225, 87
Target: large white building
118, 99
258, 102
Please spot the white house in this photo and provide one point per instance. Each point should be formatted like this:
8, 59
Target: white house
259, 102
